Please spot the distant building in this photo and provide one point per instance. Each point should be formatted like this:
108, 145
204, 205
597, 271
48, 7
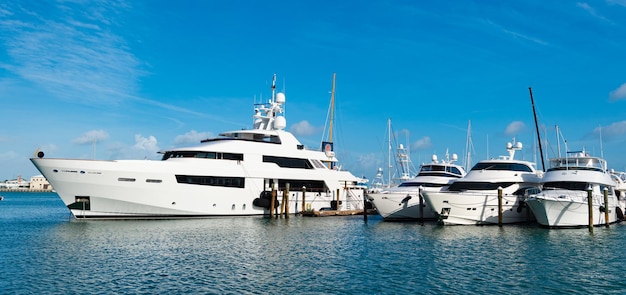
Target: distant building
38, 182
15, 184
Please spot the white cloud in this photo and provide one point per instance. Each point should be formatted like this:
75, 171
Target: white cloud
619, 93
514, 128
369, 163
92, 136
303, 128
615, 130
146, 145
192, 137
422, 144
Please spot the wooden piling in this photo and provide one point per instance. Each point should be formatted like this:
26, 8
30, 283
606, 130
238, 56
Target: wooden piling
500, 206
286, 200
273, 201
337, 198
364, 207
303, 198
282, 205
590, 208
606, 206
419, 195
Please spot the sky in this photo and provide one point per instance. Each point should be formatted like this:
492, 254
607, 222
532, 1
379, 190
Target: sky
125, 79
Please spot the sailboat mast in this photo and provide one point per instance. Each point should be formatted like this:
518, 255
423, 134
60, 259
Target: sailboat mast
468, 155
389, 152
332, 108
532, 102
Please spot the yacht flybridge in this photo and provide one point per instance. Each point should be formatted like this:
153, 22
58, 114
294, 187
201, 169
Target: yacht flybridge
233, 174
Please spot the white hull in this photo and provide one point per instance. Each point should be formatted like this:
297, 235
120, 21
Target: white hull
235, 174
155, 192
405, 201
562, 208
401, 206
457, 208
562, 203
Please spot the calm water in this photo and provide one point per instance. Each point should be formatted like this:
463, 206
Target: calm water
45, 251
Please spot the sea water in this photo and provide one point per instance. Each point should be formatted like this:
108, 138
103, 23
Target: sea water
45, 251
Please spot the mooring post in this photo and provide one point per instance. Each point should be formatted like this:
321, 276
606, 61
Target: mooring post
500, 206
303, 202
419, 195
286, 200
273, 200
337, 200
364, 206
590, 207
606, 206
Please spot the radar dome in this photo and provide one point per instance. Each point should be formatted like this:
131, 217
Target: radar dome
518, 145
280, 123
509, 145
434, 158
280, 98
455, 157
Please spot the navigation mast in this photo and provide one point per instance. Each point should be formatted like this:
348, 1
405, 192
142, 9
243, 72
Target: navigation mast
532, 102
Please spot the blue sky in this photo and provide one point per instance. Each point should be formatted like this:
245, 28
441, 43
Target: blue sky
122, 80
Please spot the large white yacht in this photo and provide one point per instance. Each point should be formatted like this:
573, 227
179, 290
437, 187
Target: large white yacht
233, 174
473, 199
403, 201
562, 201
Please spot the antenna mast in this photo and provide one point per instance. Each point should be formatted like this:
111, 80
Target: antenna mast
332, 109
532, 102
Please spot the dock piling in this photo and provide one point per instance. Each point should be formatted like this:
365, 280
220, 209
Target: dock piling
590, 208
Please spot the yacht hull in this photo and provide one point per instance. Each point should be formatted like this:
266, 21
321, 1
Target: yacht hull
399, 206
149, 189
458, 208
569, 209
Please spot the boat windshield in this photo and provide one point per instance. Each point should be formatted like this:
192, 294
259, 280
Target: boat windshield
578, 163
440, 170
574, 186
502, 166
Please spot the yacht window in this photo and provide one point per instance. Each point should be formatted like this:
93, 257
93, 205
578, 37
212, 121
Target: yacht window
568, 185
464, 186
502, 166
424, 184
317, 163
238, 182
455, 170
311, 185
288, 162
203, 155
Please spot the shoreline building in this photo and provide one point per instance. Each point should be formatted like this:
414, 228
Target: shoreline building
40, 183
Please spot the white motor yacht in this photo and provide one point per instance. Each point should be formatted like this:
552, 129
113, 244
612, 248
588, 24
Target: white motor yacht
403, 201
231, 175
473, 199
563, 200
